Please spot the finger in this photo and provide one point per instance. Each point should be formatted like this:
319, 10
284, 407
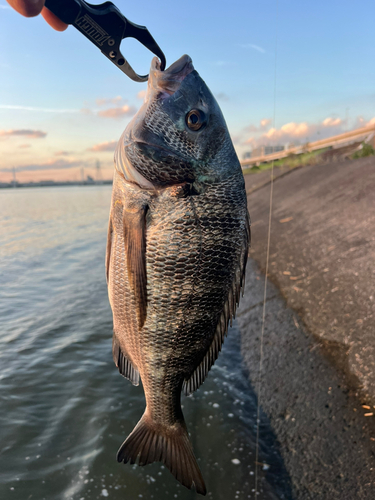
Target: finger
53, 20
28, 8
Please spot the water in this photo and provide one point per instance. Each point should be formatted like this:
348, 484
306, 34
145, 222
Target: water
64, 408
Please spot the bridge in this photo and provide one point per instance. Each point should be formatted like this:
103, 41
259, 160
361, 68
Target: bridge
363, 134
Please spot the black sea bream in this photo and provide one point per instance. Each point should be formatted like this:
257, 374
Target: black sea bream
177, 247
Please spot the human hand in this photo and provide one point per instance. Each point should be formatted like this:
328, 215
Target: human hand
31, 8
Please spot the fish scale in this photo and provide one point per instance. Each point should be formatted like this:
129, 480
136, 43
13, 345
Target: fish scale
176, 255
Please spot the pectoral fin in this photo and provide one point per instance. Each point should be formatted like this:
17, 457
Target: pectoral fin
134, 223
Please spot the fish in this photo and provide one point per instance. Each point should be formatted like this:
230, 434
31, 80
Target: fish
177, 246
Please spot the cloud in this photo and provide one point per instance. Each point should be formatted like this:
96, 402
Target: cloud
48, 165
4, 6
250, 140
42, 110
141, 94
361, 122
31, 134
24, 146
223, 63
265, 122
252, 46
288, 130
331, 122
222, 96
86, 111
113, 100
117, 112
63, 153
250, 129
104, 146
262, 126
292, 131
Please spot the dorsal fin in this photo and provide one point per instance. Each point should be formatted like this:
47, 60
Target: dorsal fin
134, 223
199, 374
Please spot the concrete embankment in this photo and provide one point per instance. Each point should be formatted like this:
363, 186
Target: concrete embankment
318, 378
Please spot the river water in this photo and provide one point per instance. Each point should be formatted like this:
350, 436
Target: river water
64, 408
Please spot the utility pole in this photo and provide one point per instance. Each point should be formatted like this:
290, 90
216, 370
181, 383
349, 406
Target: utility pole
98, 177
14, 177
347, 118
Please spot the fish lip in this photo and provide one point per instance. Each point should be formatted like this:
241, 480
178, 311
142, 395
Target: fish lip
170, 79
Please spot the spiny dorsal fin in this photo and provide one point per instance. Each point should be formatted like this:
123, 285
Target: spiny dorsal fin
123, 364
150, 442
134, 223
229, 310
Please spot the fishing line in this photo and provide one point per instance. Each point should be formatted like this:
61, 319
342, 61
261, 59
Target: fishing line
266, 274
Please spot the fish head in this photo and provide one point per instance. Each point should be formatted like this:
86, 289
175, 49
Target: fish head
179, 135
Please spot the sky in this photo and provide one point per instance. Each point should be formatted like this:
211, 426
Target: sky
282, 72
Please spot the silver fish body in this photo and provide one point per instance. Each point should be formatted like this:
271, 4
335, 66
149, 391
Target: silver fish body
176, 254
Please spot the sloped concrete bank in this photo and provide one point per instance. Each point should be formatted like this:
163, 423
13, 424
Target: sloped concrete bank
318, 378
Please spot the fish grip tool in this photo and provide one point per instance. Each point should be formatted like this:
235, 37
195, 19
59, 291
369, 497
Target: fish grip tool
105, 26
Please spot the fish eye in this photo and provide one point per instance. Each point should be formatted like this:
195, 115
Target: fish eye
196, 119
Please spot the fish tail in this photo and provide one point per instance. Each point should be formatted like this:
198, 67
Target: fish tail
152, 442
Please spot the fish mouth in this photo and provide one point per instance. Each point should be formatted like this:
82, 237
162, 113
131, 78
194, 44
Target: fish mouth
169, 81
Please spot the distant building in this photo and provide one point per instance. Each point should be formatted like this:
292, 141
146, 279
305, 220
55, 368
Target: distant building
263, 151
273, 149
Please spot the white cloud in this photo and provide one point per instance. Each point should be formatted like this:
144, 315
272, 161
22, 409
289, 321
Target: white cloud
104, 146
117, 112
331, 122
47, 165
221, 96
265, 122
292, 131
63, 153
252, 46
31, 134
42, 110
141, 94
105, 101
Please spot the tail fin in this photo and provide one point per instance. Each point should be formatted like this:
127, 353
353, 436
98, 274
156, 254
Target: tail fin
154, 443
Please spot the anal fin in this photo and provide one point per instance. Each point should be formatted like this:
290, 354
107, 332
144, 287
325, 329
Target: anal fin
123, 364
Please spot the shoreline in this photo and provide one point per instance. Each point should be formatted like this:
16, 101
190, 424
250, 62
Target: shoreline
319, 324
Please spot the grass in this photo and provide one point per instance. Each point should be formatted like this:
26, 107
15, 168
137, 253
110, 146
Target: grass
291, 161
366, 150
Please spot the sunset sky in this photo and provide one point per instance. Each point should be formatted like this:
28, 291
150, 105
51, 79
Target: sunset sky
63, 105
